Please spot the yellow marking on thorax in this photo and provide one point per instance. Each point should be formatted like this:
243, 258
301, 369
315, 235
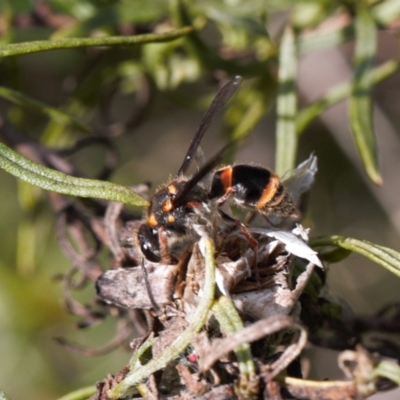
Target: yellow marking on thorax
172, 189
152, 221
167, 206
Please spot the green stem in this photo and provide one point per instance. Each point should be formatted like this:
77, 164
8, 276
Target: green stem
140, 351
339, 93
226, 314
16, 49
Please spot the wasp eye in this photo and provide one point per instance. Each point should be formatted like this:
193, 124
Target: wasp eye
149, 243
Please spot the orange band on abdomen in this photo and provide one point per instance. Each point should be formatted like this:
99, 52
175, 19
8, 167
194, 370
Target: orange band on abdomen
269, 192
226, 178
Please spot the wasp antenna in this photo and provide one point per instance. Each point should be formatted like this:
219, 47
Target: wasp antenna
222, 97
148, 287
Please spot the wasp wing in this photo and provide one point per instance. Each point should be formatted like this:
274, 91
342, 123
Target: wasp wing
219, 101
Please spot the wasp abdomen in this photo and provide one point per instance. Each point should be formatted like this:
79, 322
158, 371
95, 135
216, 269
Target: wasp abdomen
254, 187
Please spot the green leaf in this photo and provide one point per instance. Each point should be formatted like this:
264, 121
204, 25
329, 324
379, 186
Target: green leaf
234, 18
360, 107
59, 182
248, 107
54, 114
339, 93
386, 12
389, 370
80, 394
334, 255
71, 43
106, 16
286, 137
387, 258
228, 317
140, 355
206, 54
317, 40
306, 15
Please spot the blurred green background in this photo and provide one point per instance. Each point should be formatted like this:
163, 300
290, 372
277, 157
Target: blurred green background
164, 90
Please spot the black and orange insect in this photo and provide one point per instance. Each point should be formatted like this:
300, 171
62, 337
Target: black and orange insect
175, 207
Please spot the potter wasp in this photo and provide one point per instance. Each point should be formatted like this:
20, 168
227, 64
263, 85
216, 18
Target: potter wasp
183, 202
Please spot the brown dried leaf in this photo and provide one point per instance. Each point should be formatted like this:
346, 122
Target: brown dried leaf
312, 390
276, 300
359, 366
224, 392
192, 381
127, 287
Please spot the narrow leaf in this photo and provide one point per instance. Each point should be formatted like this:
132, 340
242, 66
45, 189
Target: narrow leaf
317, 40
360, 108
54, 114
228, 317
80, 394
339, 93
59, 182
210, 58
387, 258
249, 106
286, 136
389, 370
386, 12
15, 49
334, 255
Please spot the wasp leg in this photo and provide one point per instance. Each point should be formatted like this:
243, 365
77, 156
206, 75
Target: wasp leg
250, 238
254, 244
269, 221
229, 192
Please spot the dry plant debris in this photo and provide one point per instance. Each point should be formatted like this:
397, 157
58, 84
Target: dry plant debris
220, 322
212, 324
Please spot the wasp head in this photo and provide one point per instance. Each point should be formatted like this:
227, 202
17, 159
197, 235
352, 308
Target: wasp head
164, 217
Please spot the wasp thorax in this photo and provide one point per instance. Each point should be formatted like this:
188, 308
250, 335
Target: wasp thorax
163, 213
